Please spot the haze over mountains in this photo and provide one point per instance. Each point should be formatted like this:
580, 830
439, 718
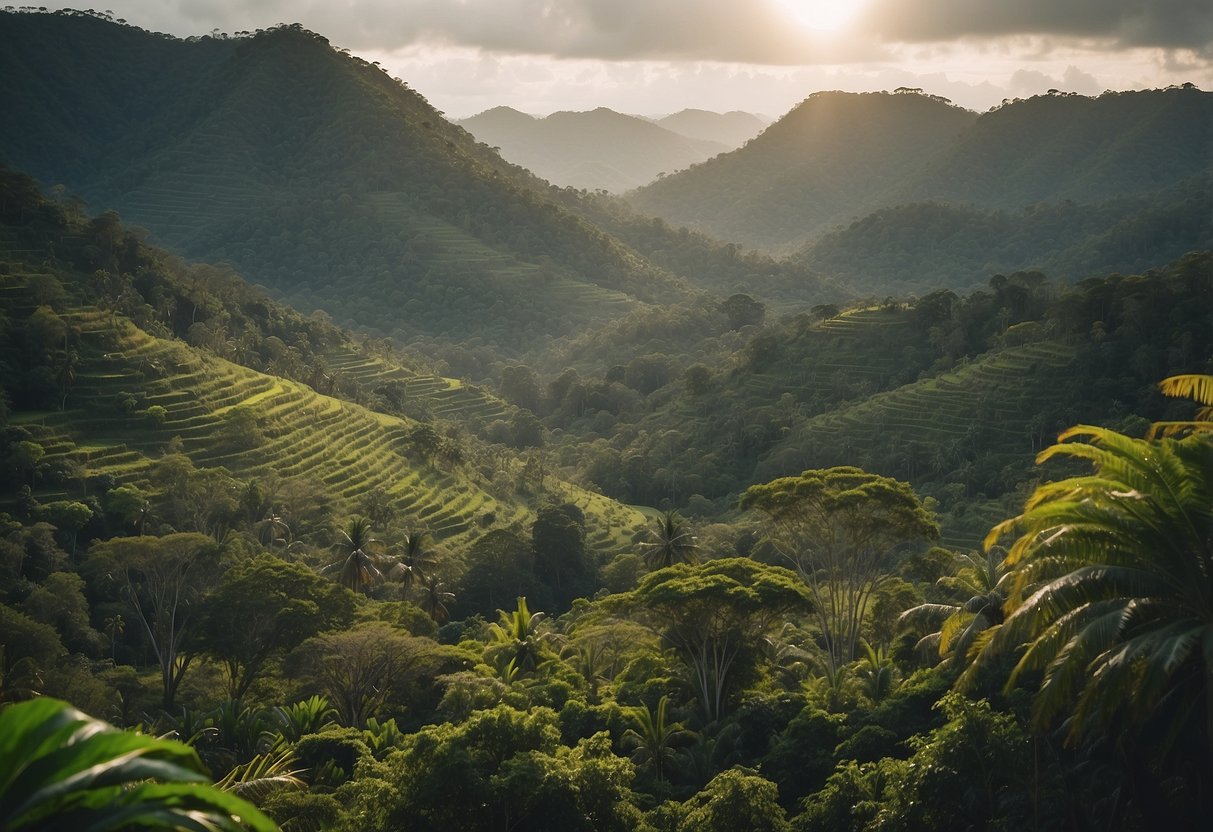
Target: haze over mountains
605, 150
839, 157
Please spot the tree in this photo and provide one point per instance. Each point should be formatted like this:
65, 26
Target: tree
370, 667
436, 600
654, 739
413, 557
265, 607
982, 584
360, 556
714, 616
558, 541
163, 579
518, 639
69, 516
742, 310
736, 801
1120, 617
670, 542
840, 528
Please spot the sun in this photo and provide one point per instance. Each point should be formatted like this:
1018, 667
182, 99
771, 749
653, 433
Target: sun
823, 15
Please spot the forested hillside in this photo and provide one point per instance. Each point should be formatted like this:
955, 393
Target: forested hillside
1086, 163
147, 394
312, 173
954, 394
835, 156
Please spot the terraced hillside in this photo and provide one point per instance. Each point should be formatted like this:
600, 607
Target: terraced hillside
255, 425
994, 412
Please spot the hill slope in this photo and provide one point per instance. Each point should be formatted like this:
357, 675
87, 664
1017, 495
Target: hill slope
833, 156
103, 402
313, 173
600, 149
838, 157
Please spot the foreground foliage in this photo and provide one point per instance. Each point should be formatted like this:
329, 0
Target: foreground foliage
62, 769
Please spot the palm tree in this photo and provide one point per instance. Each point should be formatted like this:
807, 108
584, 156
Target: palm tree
360, 556
877, 675
1119, 566
413, 558
272, 529
62, 769
656, 742
982, 581
1199, 388
671, 542
435, 598
517, 636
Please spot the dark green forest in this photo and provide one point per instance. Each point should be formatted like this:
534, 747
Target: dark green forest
353, 478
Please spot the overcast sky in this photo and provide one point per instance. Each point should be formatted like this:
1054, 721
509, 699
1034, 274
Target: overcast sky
659, 56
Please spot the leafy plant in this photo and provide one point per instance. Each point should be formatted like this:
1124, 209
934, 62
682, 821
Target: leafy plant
60, 768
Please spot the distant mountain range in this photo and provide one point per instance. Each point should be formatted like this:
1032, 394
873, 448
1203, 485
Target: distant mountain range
605, 150
838, 157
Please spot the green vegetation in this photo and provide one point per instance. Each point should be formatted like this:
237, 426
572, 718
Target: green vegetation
591, 551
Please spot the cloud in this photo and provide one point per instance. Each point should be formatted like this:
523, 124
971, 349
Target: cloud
1125, 24
1028, 82
756, 31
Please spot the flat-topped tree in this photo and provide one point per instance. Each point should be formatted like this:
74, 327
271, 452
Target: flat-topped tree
714, 615
841, 529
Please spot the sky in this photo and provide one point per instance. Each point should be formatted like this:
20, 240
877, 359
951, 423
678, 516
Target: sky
653, 57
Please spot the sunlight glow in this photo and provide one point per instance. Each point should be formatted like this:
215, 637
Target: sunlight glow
823, 15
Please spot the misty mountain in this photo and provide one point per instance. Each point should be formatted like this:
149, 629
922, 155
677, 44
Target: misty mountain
834, 156
596, 150
839, 156
733, 128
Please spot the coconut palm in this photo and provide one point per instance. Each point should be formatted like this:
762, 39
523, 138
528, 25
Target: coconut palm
1117, 569
981, 585
518, 639
654, 740
62, 769
670, 542
412, 558
435, 599
361, 559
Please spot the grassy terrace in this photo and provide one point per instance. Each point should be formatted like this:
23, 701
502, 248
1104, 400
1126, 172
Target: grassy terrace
446, 398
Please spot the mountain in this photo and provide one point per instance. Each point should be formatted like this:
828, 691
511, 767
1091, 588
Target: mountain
834, 156
312, 173
732, 129
923, 246
838, 157
596, 150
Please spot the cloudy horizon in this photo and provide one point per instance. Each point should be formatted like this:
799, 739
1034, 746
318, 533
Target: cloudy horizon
653, 57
